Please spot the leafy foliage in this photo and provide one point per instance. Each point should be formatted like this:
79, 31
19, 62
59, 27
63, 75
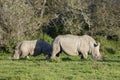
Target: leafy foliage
29, 19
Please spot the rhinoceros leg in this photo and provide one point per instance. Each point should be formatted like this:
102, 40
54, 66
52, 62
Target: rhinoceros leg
84, 55
24, 54
27, 57
56, 51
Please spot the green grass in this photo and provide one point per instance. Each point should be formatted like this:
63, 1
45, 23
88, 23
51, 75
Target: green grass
66, 68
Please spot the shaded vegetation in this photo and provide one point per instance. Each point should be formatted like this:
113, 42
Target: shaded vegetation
31, 19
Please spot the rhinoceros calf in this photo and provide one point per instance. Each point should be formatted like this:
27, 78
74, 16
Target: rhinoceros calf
35, 47
74, 45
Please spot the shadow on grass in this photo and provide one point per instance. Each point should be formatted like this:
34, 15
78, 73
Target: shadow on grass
32, 59
66, 59
110, 50
41, 59
11, 78
69, 59
110, 60
5, 78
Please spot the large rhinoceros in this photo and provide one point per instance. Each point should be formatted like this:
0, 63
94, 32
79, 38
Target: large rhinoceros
74, 45
34, 47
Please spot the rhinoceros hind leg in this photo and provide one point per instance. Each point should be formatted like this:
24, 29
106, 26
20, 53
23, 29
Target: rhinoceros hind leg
58, 54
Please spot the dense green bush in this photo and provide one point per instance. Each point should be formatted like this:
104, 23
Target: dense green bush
108, 46
29, 19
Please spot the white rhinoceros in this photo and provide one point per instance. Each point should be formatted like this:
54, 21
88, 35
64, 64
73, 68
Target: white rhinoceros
34, 47
74, 45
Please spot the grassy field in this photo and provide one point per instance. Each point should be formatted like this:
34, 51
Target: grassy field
66, 68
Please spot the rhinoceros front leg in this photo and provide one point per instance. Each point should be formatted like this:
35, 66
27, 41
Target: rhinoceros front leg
84, 55
56, 50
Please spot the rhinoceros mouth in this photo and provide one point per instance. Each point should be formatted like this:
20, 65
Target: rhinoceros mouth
98, 58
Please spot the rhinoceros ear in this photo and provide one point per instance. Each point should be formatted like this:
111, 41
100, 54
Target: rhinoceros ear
96, 44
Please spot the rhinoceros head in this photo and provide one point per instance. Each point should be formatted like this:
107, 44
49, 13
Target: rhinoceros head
16, 54
96, 53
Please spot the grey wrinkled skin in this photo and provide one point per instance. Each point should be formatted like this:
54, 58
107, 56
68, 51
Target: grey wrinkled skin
34, 48
74, 45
